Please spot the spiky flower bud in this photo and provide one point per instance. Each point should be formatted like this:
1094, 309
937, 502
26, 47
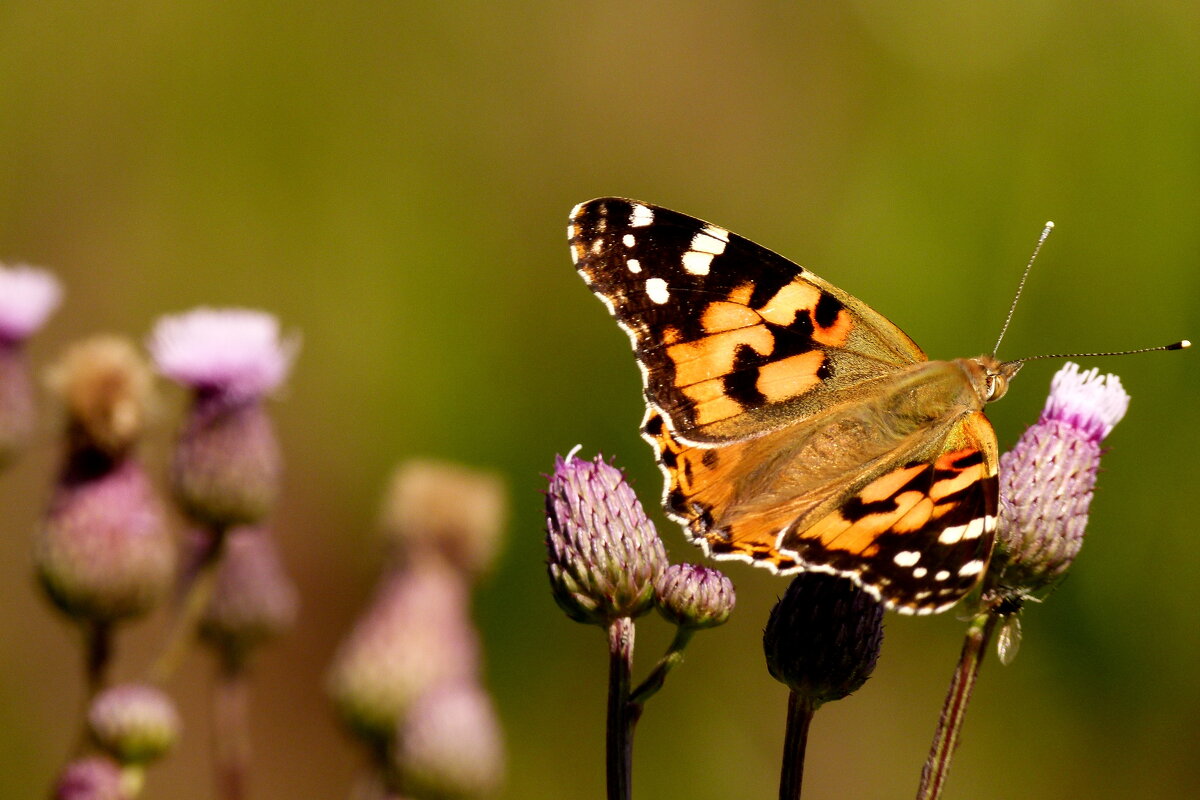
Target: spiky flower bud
823, 637
1047, 479
457, 511
27, 298
693, 596
226, 468
92, 778
254, 600
604, 555
415, 634
135, 723
450, 745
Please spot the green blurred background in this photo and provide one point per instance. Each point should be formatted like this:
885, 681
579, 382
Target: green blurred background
393, 179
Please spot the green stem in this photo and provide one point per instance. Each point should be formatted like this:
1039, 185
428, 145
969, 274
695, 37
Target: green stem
197, 589
795, 741
622, 715
99, 643
673, 657
937, 766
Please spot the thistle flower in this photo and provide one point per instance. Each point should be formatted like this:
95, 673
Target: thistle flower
416, 633
226, 467
604, 555
823, 637
27, 298
92, 778
1047, 480
135, 723
449, 745
456, 511
104, 551
693, 596
254, 600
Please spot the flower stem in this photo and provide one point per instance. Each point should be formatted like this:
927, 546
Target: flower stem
622, 715
673, 657
231, 735
98, 656
197, 587
795, 741
937, 766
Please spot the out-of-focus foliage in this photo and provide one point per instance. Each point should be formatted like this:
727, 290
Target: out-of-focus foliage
393, 179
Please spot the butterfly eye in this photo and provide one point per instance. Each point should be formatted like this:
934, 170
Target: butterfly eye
997, 385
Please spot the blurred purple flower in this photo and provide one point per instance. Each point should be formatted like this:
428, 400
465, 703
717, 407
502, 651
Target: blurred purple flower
92, 778
28, 295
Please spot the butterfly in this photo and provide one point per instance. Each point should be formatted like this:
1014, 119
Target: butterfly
797, 428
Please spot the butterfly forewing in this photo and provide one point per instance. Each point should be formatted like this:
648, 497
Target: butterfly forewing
734, 339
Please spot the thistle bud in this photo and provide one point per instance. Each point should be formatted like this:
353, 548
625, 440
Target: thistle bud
415, 634
27, 298
823, 637
1047, 480
456, 511
604, 555
449, 745
692, 596
227, 466
135, 723
254, 600
91, 778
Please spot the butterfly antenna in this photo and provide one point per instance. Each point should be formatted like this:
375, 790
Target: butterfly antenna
1180, 345
1021, 286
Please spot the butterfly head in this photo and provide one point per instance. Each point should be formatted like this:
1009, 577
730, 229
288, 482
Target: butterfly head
993, 376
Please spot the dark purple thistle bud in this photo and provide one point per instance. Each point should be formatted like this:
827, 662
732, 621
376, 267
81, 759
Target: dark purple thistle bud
604, 555
1047, 479
823, 637
450, 745
92, 778
253, 600
27, 298
134, 723
416, 633
456, 511
693, 596
227, 466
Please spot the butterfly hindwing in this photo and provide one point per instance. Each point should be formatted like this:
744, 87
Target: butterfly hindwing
733, 339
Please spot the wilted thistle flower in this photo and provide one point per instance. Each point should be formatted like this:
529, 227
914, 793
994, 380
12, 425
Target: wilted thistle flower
27, 298
416, 633
457, 511
253, 600
104, 551
604, 555
134, 723
91, 778
449, 745
693, 596
1046, 482
227, 465
823, 637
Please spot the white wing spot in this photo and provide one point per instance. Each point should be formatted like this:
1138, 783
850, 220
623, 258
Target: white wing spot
697, 263
576, 252
656, 290
628, 240
920, 572
953, 535
571, 234
942, 574
634, 265
641, 216
907, 558
597, 246
971, 568
710, 240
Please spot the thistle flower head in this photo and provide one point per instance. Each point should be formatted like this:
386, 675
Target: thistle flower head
135, 723
1047, 480
823, 637
91, 778
604, 555
450, 745
456, 511
234, 352
693, 596
28, 296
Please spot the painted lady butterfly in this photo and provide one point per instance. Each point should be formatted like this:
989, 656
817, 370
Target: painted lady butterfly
797, 428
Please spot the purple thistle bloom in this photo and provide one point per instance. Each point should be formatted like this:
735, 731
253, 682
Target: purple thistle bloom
604, 555
233, 352
693, 596
91, 778
1047, 479
28, 296
135, 723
